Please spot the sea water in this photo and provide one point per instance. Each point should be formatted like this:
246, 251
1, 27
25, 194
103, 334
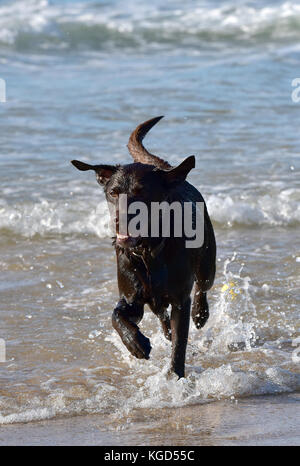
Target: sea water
79, 77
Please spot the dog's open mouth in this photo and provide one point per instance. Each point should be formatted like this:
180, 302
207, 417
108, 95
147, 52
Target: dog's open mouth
122, 237
127, 241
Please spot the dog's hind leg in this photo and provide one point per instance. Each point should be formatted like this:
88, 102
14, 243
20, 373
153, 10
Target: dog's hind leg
124, 320
204, 276
200, 309
180, 321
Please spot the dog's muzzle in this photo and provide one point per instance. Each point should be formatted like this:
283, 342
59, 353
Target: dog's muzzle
126, 241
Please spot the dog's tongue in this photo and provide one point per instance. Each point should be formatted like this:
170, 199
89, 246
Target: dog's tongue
119, 236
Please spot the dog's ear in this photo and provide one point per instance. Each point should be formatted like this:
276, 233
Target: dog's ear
103, 172
179, 174
81, 165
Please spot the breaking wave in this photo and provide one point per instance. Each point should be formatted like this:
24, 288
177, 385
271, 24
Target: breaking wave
40, 25
280, 210
60, 217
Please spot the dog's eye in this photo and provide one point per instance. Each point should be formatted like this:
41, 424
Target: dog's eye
113, 194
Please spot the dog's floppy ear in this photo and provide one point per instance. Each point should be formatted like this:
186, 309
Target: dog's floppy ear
179, 174
81, 165
103, 172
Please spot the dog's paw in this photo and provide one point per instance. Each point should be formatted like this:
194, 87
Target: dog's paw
201, 318
138, 345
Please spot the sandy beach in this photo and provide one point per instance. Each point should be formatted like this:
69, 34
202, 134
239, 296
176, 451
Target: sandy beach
270, 420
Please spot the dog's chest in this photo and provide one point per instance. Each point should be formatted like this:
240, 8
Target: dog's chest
153, 277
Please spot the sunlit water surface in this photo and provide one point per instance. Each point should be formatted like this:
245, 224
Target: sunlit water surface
79, 77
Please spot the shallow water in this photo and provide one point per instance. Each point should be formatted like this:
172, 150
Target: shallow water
79, 77
263, 420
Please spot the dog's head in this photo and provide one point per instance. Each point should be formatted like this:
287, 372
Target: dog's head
141, 182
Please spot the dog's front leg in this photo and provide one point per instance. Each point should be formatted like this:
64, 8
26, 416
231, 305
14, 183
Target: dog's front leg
180, 320
124, 320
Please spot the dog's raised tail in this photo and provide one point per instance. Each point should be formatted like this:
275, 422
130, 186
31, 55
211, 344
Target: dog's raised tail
139, 152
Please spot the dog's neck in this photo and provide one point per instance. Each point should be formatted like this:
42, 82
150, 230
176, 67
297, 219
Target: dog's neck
143, 251
153, 250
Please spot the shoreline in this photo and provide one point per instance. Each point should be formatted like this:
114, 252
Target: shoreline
261, 420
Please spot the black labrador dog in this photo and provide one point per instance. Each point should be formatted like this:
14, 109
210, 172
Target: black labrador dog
158, 271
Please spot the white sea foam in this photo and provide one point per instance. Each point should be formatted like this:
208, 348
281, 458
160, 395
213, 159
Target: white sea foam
46, 217
61, 25
54, 217
282, 208
223, 362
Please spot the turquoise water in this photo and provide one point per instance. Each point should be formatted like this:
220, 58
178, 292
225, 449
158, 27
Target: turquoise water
79, 77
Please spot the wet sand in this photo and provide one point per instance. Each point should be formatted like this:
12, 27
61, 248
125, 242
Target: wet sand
265, 420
